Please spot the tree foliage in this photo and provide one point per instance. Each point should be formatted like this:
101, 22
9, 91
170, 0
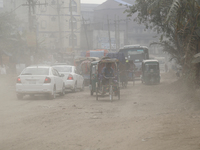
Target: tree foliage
177, 22
12, 40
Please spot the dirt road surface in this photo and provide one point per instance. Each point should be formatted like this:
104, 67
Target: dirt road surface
158, 117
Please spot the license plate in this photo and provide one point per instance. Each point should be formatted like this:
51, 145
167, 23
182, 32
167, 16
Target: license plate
32, 82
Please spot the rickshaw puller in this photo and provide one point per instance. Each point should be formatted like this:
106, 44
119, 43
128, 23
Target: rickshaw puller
107, 71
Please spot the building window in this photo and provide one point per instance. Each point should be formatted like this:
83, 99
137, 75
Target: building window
73, 5
43, 24
70, 40
74, 22
43, 8
53, 2
53, 19
52, 35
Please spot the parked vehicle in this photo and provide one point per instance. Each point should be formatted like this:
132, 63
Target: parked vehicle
150, 72
73, 80
40, 80
83, 67
102, 84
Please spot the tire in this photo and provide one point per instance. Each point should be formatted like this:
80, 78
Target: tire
20, 96
111, 93
32, 96
63, 91
118, 93
97, 97
75, 88
53, 94
83, 87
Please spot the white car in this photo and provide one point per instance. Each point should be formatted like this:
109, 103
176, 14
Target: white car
40, 80
72, 79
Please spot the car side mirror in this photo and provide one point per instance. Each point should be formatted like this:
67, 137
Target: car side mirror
62, 75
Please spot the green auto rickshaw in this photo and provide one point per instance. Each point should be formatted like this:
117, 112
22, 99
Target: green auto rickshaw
150, 72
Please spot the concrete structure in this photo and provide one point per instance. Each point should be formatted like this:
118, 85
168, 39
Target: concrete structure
134, 33
87, 12
54, 25
101, 39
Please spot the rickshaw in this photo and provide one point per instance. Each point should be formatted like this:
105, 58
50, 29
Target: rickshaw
83, 67
122, 67
101, 84
150, 72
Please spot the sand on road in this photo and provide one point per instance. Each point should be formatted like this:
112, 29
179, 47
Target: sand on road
157, 117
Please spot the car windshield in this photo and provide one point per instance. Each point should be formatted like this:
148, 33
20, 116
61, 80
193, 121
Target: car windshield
36, 71
63, 69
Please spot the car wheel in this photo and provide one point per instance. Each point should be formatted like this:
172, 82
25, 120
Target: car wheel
32, 96
20, 96
63, 91
53, 94
83, 87
75, 87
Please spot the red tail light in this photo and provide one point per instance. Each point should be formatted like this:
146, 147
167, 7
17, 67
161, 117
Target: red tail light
19, 80
70, 77
47, 80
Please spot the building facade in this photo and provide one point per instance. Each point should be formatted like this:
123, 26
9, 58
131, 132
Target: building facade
134, 34
54, 27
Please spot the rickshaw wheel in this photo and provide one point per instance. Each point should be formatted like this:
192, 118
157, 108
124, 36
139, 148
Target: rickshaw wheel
97, 98
111, 93
91, 92
118, 93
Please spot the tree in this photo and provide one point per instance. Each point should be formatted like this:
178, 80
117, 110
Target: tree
177, 22
12, 41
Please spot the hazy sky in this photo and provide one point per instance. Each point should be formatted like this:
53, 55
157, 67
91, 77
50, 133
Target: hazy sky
93, 1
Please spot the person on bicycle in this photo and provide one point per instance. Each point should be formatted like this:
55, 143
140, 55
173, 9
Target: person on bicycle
107, 71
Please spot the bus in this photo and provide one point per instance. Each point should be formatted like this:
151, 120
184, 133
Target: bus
137, 54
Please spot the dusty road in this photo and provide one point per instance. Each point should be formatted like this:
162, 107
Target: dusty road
160, 117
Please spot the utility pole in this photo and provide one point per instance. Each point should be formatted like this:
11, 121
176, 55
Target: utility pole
109, 32
31, 4
85, 33
126, 40
118, 24
59, 26
116, 41
31, 7
72, 27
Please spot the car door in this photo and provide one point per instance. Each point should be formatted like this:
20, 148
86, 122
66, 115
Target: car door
77, 77
57, 80
60, 80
